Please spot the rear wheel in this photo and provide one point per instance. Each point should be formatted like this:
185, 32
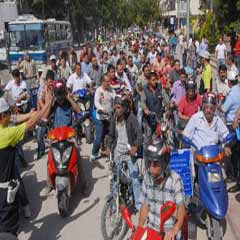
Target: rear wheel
214, 228
89, 133
112, 226
63, 203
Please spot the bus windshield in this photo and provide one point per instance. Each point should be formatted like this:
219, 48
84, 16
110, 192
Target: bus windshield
27, 36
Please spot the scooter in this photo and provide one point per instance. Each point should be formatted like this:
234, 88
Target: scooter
141, 233
62, 165
84, 123
210, 192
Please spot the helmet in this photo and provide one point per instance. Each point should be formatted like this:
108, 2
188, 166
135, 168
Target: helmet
204, 54
121, 100
60, 89
159, 151
210, 97
232, 76
190, 84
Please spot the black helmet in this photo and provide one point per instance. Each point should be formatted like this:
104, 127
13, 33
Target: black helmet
159, 151
190, 84
121, 100
209, 97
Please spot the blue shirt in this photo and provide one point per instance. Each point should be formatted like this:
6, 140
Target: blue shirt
204, 134
62, 115
232, 103
86, 67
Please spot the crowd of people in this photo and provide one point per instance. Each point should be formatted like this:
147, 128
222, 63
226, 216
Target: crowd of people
135, 82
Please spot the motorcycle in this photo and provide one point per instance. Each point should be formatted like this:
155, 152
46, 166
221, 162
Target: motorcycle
210, 191
121, 193
84, 123
63, 165
141, 233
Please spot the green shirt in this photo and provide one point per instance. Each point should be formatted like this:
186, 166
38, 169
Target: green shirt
10, 136
207, 76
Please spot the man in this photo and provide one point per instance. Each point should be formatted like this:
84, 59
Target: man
125, 137
42, 129
151, 103
10, 136
157, 64
174, 75
78, 80
105, 62
231, 64
178, 90
121, 76
229, 108
64, 69
205, 127
29, 71
95, 73
104, 103
114, 58
132, 68
52, 66
189, 104
142, 80
97, 52
17, 88
220, 52
161, 185
236, 51
86, 65
152, 55
206, 77
221, 81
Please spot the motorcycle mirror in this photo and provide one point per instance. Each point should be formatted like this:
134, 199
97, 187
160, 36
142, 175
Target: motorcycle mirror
166, 211
188, 142
126, 216
229, 138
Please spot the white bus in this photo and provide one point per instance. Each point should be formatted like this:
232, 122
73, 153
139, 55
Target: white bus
40, 38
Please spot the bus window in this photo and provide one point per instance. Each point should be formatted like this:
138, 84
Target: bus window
34, 36
69, 32
62, 26
58, 32
17, 37
51, 33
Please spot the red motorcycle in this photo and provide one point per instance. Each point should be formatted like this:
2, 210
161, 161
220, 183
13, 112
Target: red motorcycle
63, 165
141, 233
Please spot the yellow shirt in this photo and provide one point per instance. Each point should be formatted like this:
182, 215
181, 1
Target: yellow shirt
10, 136
207, 76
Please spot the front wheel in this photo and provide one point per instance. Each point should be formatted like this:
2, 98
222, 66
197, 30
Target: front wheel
214, 228
63, 203
89, 133
112, 226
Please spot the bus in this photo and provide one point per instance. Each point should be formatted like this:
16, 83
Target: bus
40, 38
8, 12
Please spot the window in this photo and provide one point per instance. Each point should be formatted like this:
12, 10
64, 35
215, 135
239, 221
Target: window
34, 36
51, 33
58, 32
17, 37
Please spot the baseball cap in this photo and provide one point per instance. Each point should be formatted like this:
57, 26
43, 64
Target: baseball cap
52, 57
4, 107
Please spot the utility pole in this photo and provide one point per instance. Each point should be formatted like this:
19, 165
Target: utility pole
178, 14
188, 19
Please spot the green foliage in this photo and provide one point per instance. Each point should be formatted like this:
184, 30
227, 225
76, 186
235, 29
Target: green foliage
210, 30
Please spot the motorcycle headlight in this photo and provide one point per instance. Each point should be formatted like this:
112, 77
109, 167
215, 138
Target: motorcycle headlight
214, 177
66, 154
56, 155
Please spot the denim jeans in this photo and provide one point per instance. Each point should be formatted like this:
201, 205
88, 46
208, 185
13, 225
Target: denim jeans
134, 173
40, 138
99, 128
220, 62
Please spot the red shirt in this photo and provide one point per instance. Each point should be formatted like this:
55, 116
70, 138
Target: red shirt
237, 46
187, 108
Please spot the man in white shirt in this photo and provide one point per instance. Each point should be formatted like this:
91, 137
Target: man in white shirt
17, 88
221, 52
78, 80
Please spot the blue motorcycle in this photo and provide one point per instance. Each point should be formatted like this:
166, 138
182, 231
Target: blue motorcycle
210, 189
84, 123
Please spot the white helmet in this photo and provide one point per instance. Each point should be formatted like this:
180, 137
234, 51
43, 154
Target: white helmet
4, 107
204, 54
232, 76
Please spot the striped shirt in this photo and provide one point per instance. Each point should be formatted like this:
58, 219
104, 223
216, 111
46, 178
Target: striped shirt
156, 195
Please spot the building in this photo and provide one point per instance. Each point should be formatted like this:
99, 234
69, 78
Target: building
176, 10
